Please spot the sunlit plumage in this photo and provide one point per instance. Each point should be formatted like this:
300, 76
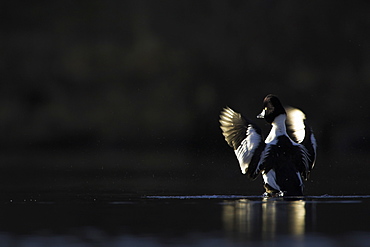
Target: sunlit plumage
287, 155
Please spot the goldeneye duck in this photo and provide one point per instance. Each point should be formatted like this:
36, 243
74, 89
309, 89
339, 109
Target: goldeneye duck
287, 155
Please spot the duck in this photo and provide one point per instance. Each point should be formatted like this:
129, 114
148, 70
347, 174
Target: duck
287, 155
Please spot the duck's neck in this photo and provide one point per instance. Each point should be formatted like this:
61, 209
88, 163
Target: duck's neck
278, 128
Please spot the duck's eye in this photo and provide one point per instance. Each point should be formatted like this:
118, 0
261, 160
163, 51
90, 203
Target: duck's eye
265, 108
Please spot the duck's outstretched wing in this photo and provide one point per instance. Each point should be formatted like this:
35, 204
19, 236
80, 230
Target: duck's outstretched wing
246, 140
303, 135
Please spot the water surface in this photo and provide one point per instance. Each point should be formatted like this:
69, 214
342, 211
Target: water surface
204, 220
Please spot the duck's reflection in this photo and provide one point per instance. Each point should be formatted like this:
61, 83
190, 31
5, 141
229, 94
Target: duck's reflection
264, 219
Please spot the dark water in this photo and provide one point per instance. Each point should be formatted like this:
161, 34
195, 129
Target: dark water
208, 220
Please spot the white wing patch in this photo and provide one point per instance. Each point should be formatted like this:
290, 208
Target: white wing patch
314, 145
295, 119
245, 151
270, 179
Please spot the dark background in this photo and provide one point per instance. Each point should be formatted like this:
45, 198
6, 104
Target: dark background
124, 96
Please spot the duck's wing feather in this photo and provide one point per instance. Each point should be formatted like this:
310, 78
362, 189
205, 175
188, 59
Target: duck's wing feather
303, 135
245, 138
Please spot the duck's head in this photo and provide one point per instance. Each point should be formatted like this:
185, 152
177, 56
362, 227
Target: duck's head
272, 108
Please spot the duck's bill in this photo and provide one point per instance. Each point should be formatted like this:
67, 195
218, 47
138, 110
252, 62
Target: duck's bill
262, 114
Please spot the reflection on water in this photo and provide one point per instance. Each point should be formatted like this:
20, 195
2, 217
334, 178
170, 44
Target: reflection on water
248, 219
